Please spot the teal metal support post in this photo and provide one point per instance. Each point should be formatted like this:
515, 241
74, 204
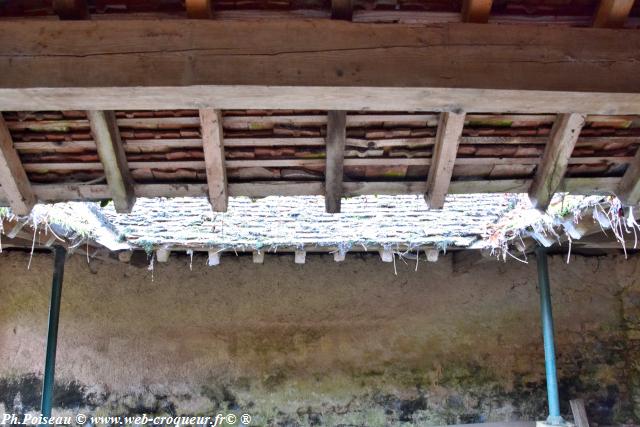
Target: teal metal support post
60, 254
547, 335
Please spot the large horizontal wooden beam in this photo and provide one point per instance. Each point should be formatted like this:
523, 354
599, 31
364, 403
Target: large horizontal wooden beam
328, 64
79, 192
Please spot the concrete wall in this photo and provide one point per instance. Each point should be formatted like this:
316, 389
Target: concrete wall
323, 343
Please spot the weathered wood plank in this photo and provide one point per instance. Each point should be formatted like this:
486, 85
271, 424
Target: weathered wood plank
318, 163
612, 13
13, 178
579, 413
65, 192
336, 136
550, 172
330, 64
444, 158
71, 9
113, 159
476, 10
144, 145
213, 146
629, 189
199, 9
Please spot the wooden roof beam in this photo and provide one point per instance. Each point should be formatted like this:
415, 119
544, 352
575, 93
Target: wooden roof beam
113, 158
612, 13
336, 137
629, 188
13, 178
342, 9
551, 171
199, 9
477, 11
305, 65
213, 146
444, 156
71, 9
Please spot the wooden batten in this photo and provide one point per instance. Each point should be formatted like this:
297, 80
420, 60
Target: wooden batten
334, 170
300, 256
80, 192
386, 255
444, 156
71, 9
629, 189
162, 254
553, 166
213, 258
125, 256
113, 158
213, 146
199, 9
258, 257
17, 227
477, 11
13, 178
612, 13
342, 9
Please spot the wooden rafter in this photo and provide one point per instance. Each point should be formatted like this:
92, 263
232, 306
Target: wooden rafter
552, 168
112, 156
71, 9
629, 189
477, 11
199, 9
444, 156
213, 146
304, 65
336, 137
342, 9
612, 13
13, 178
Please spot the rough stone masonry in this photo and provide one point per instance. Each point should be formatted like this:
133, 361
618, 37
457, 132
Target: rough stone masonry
323, 343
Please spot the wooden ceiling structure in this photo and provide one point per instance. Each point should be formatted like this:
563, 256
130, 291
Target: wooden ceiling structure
118, 106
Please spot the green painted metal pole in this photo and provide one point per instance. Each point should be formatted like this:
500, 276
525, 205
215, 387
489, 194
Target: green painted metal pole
547, 335
60, 254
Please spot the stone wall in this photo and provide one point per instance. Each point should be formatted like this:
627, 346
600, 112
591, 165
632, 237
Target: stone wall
323, 343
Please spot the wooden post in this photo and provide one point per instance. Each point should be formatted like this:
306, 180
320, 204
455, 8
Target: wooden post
336, 137
213, 146
551, 170
477, 11
444, 156
13, 178
113, 158
612, 13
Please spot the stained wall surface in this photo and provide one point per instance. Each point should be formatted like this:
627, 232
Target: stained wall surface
323, 343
